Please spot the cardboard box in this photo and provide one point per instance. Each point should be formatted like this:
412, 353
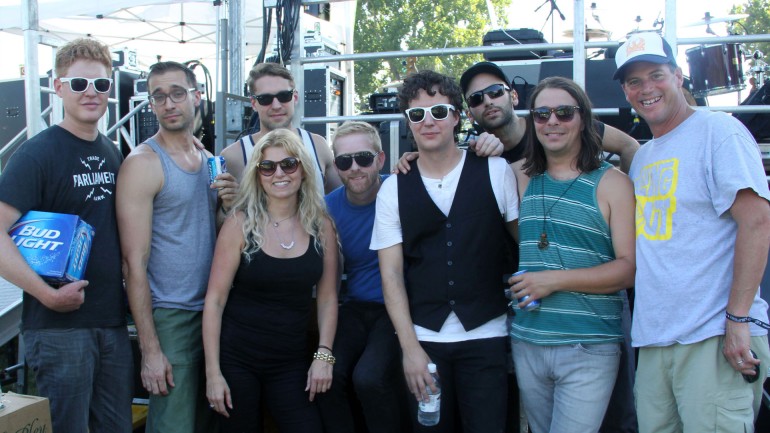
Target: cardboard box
25, 414
56, 246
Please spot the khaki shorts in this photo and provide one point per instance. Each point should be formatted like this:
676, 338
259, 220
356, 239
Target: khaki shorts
691, 388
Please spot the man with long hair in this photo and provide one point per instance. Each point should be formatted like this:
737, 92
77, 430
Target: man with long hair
577, 248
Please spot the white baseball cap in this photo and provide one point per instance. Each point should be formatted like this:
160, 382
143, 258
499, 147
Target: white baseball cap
642, 47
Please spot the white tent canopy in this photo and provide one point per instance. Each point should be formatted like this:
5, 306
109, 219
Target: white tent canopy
173, 29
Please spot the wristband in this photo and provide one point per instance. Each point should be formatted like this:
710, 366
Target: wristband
737, 319
321, 346
324, 357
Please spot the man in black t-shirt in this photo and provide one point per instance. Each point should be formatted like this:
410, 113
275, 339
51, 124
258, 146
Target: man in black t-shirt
75, 336
491, 104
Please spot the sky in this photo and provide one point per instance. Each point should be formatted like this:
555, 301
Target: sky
616, 16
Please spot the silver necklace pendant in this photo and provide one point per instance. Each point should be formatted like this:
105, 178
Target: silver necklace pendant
287, 247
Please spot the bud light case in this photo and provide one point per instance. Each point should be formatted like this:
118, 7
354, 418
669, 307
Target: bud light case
56, 246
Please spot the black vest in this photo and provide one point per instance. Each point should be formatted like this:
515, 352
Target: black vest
456, 262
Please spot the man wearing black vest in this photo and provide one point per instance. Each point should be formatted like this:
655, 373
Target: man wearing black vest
440, 232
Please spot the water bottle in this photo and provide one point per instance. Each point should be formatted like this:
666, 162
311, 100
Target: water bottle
428, 413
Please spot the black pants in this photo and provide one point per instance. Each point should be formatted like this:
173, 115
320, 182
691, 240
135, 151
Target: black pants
474, 378
281, 385
621, 412
366, 348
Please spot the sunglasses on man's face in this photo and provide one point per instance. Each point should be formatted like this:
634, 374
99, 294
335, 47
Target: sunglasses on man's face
494, 91
363, 159
288, 165
564, 113
80, 84
437, 112
266, 99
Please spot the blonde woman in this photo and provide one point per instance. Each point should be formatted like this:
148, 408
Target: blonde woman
277, 243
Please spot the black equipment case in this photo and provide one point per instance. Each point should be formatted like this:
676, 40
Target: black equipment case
514, 37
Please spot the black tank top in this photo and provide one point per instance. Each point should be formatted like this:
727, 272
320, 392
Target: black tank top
269, 306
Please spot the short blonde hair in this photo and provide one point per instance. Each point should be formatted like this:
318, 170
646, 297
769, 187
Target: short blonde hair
82, 49
357, 127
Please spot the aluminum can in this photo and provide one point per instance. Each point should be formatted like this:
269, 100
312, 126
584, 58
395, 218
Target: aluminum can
217, 166
534, 305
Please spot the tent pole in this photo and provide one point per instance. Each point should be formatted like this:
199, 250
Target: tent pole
29, 17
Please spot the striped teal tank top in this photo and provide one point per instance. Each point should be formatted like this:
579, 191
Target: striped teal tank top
578, 237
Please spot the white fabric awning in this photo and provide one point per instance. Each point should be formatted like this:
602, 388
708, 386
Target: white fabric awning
173, 29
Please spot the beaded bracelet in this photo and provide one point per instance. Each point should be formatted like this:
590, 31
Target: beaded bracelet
326, 357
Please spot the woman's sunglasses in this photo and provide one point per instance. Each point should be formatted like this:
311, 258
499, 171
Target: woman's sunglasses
363, 159
266, 99
564, 113
494, 91
437, 112
80, 84
288, 165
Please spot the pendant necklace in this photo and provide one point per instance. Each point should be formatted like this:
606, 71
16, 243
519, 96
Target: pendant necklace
276, 223
278, 234
543, 242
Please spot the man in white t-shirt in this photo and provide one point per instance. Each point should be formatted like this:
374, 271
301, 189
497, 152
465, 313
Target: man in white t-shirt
702, 239
440, 232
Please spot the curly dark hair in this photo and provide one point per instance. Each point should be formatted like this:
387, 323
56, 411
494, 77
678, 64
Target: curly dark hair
590, 156
431, 82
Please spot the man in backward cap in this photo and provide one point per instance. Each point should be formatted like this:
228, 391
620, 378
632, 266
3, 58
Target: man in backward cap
702, 239
491, 103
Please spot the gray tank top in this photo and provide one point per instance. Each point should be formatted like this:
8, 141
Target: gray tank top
183, 235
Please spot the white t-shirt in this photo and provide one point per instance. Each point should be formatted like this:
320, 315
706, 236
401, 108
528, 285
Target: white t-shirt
685, 183
387, 232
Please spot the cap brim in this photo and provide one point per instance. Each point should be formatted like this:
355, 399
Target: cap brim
650, 58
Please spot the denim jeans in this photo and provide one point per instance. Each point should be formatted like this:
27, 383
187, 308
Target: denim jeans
86, 374
566, 388
367, 350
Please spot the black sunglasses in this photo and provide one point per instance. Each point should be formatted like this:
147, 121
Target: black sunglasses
437, 112
266, 99
80, 84
288, 165
363, 159
494, 91
564, 113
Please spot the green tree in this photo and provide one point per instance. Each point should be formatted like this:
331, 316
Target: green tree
397, 25
757, 23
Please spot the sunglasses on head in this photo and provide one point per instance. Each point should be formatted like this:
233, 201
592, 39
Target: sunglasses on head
288, 165
494, 91
564, 113
363, 159
266, 99
437, 112
80, 84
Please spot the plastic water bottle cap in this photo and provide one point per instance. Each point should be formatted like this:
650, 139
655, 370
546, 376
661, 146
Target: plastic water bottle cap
431, 368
